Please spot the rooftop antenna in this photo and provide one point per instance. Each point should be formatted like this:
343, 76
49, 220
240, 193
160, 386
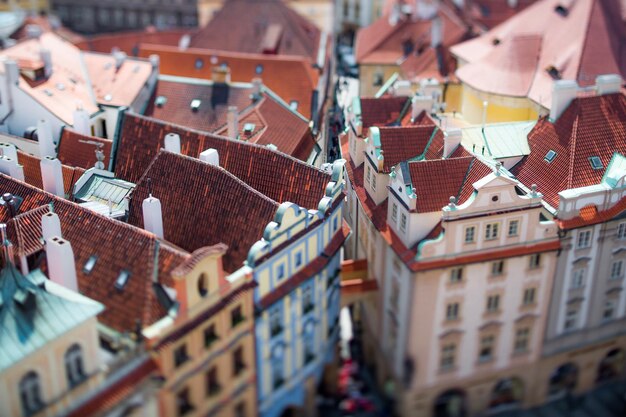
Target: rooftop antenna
99, 153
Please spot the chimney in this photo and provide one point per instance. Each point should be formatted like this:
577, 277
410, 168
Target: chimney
12, 71
436, 32
420, 103
563, 92
394, 15
184, 42
233, 122
425, 9
46, 58
44, 137
220, 74
257, 85
154, 60
608, 84
120, 57
52, 176
451, 141
152, 216
50, 226
7, 246
81, 120
61, 264
210, 156
512, 3
9, 164
172, 143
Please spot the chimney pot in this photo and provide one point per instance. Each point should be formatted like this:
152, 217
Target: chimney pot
563, 92
81, 120
50, 226
44, 137
172, 143
9, 164
152, 216
52, 176
210, 156
61, 263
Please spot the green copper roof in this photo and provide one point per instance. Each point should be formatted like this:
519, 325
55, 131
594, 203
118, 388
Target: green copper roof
500, 140
35, 311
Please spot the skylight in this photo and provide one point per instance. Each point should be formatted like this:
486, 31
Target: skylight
550, 156
91, 262
160, 101
195, 104
596, 163
122, 280
248, 128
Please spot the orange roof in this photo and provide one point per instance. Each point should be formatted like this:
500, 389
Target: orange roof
546, 41
47, 24
32, 172
129, 42
589, 215
292, 78
76, 152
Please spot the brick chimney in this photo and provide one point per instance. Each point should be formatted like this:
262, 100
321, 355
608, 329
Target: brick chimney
50, 226
451, 141
210, 156
52, 176
61, 263
172, 143
152, 216
608, 84
233, 122
44, 137
563, 92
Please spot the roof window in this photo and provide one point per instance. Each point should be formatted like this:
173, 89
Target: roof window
122, 280
550, 156
259, 69
248, 128
596, 163
199, 64
91, 262
160, 101
554, 72
561, 10
195, 104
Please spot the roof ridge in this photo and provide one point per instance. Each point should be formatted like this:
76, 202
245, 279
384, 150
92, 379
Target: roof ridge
572, 152
586, 36
381, 39
465, 178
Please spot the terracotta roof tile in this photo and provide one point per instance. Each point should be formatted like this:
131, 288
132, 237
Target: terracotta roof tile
73, 151
589, 215
400, 144
383, 111
32, 172
276, 175
292, 78
490, 13
116, 246
590, 126
204, 205
130, 42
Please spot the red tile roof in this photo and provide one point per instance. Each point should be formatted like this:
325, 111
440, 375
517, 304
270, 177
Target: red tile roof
292, 78
581, 45
117, 246
590, 126
47, 24
32, 172
130, 42
204, 205
400, 144
253, 19
383, 111
490, 13
276, 175
75, 152
589, 215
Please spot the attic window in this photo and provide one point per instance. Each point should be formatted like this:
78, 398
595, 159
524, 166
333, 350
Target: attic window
199, 64
554, 72
560, 9
160, 101
596, 163
495, 41
195, 104
550, 156
248, 128
91, 262
293, 104
259, 69
122, 280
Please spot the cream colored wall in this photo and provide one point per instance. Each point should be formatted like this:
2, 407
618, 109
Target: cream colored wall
499, 109
49, 363
367, 73
28, 5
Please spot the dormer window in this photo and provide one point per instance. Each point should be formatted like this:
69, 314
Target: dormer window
195, 105
122, 280
596, 163
550, 156
403, 222
91, 262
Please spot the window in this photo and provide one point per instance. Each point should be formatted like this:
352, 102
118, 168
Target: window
374, 182
621, 231
486, 348
493, 303
609, 310
522, 337
596, 162
238, 363
335, 224
236, 316
180, 355
394, 212
452, 311
448, 353
578, 279
212, 383
30, 393
307, 299
182, 402
529, 296
456, 275
298, 259
203, 285
550, 156
513, 227
280, 271
584, 239
571, 319
469, 234
534, 261
74, 365
403, 222
91, 262
240, 409
369, 174
278, 376
378, 79
497, 268
276, 320
616, 270
491, 231
199, 64
210, 336
308, 344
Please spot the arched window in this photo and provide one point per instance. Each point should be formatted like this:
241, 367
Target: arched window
563, 380
203, 285
451, 403
507, 394
74, 365
30, 393
612, 366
